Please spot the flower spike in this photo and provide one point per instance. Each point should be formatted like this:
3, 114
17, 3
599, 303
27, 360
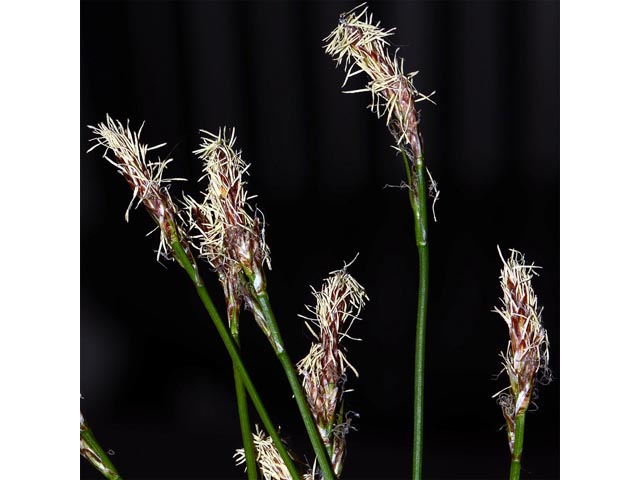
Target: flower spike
269, 460
363, 46
527, 356
324, 369
229, 235
234, 232
144, 177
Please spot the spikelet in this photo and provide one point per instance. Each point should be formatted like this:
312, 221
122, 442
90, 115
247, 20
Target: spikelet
268, 458
363, 46
232, 231
229, 235
527, 354
144, 178
324, 369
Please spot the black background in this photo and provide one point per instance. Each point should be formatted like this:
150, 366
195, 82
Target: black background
156, 381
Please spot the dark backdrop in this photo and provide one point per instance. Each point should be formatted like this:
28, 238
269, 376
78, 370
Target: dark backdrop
156, 381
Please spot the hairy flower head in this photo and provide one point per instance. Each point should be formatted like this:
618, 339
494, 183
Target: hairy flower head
363, 46
268, 458
324, 369
232, 231
229, 235
527, 354
144, 177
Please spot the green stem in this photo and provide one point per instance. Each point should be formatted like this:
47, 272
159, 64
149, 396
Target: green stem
185, 262
298, 393
243, 408
97, 456
418, 197
514, 474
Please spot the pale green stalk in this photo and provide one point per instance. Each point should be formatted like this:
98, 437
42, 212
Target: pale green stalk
516, 457
418, 201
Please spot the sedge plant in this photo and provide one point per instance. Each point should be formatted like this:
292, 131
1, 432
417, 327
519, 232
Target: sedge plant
224, 231
527, 355
363, 47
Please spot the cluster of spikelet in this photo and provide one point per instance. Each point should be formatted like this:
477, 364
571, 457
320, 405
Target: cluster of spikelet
228, 234
324, 369
143, 176
269, 460
363, 46
527, 354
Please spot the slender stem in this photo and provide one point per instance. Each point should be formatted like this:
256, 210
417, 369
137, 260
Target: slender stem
418, 420
514, 474
96, 455
298, 393
230, 345
243, 408
418, 198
